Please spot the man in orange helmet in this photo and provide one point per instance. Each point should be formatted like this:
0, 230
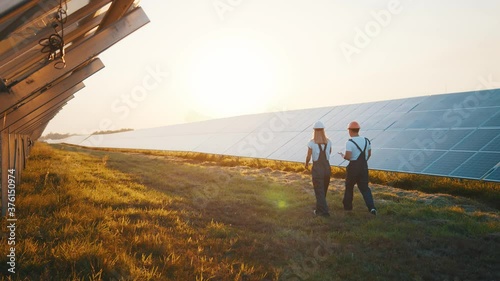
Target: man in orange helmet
358, 151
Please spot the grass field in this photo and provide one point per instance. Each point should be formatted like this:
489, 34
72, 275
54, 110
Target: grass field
106, 215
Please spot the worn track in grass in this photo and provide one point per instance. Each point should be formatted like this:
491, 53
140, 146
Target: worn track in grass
104, 215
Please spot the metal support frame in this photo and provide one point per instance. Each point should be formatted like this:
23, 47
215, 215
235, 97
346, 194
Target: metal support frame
29, 105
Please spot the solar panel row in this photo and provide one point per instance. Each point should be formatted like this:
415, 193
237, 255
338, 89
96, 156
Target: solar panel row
455, 135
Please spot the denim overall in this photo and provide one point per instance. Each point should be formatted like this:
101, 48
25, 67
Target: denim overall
321, 173
357, 173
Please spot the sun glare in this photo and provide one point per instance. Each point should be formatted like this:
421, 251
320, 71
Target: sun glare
231, 76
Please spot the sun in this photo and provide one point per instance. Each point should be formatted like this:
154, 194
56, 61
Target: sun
231, 75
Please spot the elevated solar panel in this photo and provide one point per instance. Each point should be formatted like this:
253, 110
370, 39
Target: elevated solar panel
454, 135
477, 166
494, 175
475, 117
494, 121
477, 140
432, 139
493, 145
448, 163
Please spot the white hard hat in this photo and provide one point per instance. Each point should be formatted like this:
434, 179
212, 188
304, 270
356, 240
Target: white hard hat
318, 125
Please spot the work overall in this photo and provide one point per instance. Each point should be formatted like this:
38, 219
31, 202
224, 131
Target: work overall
357, 173
321, 173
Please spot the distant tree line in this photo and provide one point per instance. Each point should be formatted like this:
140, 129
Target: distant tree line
58, 136
111, 131
55, 136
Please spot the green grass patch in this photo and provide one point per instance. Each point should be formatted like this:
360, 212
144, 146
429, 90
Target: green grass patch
143, 215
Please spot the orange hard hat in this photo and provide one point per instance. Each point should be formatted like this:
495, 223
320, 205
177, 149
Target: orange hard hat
353, 125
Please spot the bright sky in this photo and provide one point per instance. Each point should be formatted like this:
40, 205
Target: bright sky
199, 60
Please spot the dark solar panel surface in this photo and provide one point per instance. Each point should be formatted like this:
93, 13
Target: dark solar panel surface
477, 140
477, 166
494, 175
455, 135
448, 163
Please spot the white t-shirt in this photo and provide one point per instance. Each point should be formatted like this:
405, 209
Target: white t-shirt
349, 146
315, 149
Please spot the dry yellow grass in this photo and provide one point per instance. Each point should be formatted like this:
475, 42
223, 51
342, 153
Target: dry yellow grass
105, 215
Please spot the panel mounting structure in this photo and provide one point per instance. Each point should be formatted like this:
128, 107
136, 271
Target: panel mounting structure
39, 76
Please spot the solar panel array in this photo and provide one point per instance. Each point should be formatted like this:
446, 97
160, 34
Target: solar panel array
453, 135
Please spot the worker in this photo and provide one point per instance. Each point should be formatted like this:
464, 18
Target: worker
319, 149
357, 152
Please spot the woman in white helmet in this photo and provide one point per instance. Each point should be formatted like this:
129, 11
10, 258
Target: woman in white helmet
319, 149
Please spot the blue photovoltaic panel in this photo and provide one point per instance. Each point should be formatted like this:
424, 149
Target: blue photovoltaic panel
477, 166
364, 115
297, 145
440, 102
405, 139
397, 140
477, 140
448, 163
298, 120
493, 146
409, 104
411, 139
331, 119
307, 119
339, 140
456, 135
425, 120
339, 122
388, 120
472, 99
446, 101
373, 108
471, 117
415, 161
383, 159
486, 98
247, 123
411, 161
494, 176
436, 139
374, 119
392, 159
371, 134
394, 106
494, 121
385, 138
213, 143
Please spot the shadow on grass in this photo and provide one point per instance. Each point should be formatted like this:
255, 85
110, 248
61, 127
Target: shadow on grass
105, 215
